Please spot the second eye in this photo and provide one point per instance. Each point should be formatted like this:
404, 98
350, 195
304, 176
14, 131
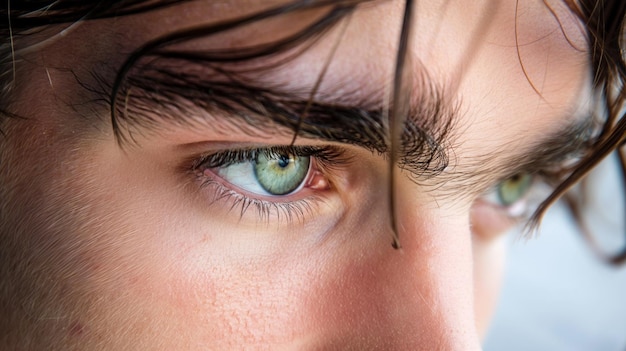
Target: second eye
271, 173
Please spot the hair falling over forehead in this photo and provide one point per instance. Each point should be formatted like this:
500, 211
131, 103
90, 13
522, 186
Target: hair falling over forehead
399, 110
604, 21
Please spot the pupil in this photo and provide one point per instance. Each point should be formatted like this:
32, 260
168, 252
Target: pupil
283, 161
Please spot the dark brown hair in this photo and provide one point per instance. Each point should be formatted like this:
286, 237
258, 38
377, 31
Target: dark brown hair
604, 21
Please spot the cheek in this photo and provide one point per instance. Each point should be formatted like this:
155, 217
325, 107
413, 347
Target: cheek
161, 285
78, 259
51, 237
131, 266
489, 264
489, 227
489, 222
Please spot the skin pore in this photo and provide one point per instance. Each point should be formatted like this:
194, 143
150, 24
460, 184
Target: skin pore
138, 246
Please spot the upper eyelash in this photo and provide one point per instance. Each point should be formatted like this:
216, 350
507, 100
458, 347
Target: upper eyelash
327, 156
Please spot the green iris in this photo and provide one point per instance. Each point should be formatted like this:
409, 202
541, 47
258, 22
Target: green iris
281, 173
514, 189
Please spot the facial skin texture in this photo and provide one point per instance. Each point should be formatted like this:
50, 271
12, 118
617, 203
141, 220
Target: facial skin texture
117, 248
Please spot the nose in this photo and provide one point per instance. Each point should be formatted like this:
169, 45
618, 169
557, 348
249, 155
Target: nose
431, 274
418, 297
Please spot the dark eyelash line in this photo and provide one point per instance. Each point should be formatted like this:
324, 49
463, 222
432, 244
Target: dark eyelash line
327, 156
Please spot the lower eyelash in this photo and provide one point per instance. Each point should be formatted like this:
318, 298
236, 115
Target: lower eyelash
289, 211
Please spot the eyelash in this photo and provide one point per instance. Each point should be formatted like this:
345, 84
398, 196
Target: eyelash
327, 160
328, 156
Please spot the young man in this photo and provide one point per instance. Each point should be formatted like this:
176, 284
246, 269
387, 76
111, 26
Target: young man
225, 175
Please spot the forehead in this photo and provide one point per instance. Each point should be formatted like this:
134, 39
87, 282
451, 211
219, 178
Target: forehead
451, 38
449, 35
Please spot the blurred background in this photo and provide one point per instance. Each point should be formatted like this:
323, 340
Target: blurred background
557, 295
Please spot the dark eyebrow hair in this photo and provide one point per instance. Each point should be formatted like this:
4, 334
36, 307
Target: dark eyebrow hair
570, 141
550, 157
548, 154
164, 95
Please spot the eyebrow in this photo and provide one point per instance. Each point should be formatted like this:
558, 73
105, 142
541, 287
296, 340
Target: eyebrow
548, 156
161, 96
552, 152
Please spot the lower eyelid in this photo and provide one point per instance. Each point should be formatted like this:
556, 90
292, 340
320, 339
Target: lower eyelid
259, 208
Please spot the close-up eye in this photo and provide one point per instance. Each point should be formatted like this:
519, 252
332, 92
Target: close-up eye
511, 194
280, 181
503, 206
272, 171
513, 189
312, 175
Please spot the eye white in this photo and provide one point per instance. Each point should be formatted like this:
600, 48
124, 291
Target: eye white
242, 176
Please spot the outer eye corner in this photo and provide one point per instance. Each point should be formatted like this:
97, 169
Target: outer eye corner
515, 188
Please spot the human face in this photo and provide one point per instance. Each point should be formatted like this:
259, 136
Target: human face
153, 244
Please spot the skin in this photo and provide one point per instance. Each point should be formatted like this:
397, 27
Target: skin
117, 248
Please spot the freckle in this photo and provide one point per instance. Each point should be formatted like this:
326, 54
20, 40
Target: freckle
76, 329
